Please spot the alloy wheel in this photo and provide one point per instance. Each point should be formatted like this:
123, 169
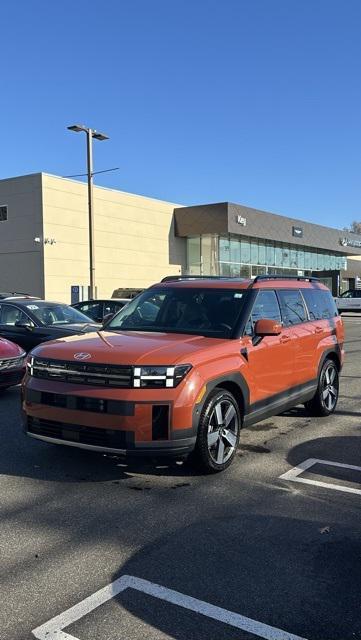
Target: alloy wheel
330, 387
223, 428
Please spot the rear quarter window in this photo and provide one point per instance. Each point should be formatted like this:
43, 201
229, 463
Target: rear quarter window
320, 304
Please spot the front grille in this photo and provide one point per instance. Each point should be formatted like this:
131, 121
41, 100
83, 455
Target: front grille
80, 403
102, 375
11, 363
111, 438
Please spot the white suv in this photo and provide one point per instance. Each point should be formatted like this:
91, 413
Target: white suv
349, 301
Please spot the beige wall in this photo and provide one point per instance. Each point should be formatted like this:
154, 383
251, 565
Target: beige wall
134, 239
21, 259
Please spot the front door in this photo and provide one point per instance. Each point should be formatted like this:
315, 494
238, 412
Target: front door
270, 361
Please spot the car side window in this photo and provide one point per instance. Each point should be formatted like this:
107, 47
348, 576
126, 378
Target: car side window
92, 309
320, 304
10, 315
112, 307
292, 307
265, 306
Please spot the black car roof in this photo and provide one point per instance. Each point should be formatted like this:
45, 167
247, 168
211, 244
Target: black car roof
13, 294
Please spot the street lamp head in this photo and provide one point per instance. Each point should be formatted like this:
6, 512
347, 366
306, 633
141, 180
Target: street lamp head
77, 127
99, 136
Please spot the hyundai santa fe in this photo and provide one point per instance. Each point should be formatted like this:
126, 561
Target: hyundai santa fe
185, 365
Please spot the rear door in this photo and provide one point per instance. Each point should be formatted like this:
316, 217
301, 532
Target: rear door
305, 335
270, 360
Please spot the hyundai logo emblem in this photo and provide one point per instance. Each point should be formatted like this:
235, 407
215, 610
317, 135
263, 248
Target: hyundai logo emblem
82, 356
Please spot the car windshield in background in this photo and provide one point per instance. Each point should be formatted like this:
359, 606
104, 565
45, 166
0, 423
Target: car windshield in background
207, 312
53, 314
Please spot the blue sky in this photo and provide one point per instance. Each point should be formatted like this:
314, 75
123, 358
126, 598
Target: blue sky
252, 101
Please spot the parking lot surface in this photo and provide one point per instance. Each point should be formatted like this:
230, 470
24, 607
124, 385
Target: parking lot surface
93, 549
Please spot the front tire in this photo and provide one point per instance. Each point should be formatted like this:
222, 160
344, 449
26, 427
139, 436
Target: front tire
325, 399
218, 432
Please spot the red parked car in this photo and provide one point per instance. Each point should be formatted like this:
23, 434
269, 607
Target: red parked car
12, 364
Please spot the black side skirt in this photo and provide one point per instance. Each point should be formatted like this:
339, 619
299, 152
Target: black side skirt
280, 402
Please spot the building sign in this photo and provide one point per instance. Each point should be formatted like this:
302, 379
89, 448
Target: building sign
241, 220
297, 232
350, 242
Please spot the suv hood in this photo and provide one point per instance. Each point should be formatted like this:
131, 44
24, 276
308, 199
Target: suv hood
130, 347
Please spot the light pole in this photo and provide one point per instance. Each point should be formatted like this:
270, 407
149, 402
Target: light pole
90, 134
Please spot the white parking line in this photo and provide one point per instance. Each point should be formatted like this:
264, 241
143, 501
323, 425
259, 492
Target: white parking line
294, 474
53, 629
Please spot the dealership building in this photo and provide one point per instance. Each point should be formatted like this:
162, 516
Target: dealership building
44, 245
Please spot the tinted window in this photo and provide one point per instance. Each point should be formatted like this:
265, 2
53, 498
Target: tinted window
113, 307
49, 313
210, 312
292, 307
320, 304
10, 315
92, 309
265, 306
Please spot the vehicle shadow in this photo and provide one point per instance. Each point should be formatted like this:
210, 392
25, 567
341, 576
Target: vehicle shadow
225, 560
344, 449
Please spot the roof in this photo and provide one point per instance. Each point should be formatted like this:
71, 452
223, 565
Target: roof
259, 282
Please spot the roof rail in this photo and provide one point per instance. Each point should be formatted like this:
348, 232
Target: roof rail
281, 277
174, 278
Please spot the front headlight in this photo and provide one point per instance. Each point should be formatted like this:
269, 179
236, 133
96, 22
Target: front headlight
159, 377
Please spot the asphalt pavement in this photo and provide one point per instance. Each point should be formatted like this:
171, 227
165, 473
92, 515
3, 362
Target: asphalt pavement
92, 549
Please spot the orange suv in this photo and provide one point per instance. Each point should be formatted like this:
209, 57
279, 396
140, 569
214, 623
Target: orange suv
185, 365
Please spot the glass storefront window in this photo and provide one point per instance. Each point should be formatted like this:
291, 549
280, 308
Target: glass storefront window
235, 251
320, 261
245, 250
233, 256
261, 252
209, 255
194, 256
245, 271
314, 260
270, 253
285, 256
307, 259
254, 252
293, 258
224, 250
327, 262
278, 256
300, 258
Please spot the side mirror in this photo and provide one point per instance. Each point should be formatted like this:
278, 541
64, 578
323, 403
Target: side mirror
107, 318
24, 325
267, 327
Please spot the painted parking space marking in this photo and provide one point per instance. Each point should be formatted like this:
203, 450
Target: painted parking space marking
53, 629
294, 474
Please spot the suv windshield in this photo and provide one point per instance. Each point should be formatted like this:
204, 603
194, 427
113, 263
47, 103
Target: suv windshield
207, 312
52, 313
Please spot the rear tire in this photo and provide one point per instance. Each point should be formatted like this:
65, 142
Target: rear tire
325, 399
218, 432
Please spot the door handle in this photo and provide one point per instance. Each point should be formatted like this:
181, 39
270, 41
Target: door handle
318, 330
284, 339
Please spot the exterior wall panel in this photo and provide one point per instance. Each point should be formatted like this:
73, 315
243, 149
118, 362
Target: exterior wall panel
21, 258
133, 239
